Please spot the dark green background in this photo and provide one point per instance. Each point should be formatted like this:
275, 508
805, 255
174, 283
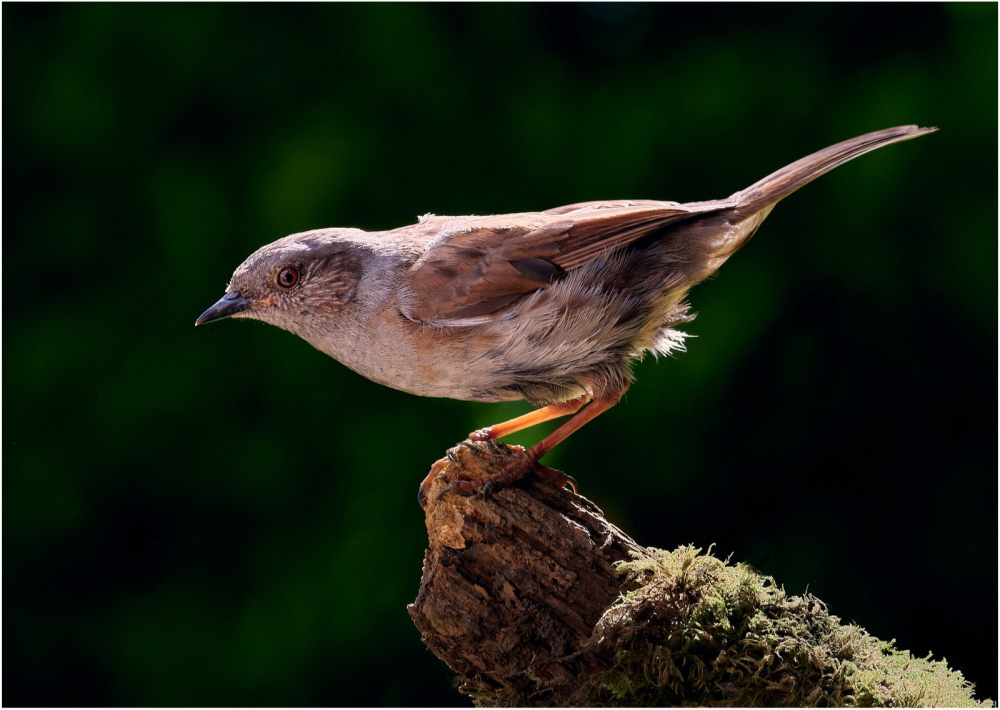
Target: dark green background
225, 516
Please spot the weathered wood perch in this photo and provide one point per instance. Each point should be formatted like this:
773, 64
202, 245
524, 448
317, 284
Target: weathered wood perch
535, 599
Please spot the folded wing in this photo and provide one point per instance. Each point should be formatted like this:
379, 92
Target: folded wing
478, 265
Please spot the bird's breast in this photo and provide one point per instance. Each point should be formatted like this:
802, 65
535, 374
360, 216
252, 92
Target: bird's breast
429, 361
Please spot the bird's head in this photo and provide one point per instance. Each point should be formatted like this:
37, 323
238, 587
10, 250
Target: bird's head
292, 282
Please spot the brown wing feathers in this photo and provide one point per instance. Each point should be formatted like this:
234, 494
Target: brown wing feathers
476, 271
478, 265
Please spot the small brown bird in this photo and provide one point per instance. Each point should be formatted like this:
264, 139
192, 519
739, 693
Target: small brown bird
552, 307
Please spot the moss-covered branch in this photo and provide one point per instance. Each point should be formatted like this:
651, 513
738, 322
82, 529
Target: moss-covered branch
705, 632
535, 599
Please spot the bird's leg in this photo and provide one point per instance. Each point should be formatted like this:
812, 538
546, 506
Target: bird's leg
517, 467
553, 411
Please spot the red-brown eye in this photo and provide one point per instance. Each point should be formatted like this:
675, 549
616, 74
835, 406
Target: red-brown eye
288, 277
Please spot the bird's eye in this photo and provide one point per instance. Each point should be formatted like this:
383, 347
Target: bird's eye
288, 277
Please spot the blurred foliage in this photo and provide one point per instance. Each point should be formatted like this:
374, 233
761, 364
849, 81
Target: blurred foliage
226, 516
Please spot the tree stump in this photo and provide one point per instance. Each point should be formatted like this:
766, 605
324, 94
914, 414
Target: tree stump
515, 582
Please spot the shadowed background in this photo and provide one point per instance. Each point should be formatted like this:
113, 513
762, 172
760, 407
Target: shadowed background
225, 516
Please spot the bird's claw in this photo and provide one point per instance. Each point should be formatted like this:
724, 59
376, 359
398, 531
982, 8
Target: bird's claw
513, 471
484, 434
557, 477
456, 487
519, 462
497, 450
425, 485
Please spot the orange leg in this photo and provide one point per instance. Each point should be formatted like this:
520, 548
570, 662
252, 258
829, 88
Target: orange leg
548, 443
553, 411
518, 466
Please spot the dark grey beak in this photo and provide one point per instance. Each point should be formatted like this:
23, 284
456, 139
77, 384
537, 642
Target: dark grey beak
228, 305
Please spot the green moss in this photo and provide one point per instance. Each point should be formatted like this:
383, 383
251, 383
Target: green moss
700, 631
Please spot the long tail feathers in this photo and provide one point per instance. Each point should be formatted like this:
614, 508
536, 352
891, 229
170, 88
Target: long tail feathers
791, 177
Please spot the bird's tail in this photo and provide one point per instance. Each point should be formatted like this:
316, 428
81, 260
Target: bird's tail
790, 178
735, 220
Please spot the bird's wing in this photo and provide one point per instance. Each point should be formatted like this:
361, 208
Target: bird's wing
477, 265
474, 266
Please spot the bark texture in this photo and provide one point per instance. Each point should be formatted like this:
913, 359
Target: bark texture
514, 583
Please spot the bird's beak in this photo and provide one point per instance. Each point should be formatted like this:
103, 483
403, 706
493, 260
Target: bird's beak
228, 305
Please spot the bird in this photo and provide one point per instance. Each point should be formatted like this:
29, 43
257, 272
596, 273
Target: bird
552, 307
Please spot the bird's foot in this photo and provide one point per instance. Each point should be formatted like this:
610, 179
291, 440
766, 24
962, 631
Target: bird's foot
513, 470
488, 433
436, 468
557, 477
495, 449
